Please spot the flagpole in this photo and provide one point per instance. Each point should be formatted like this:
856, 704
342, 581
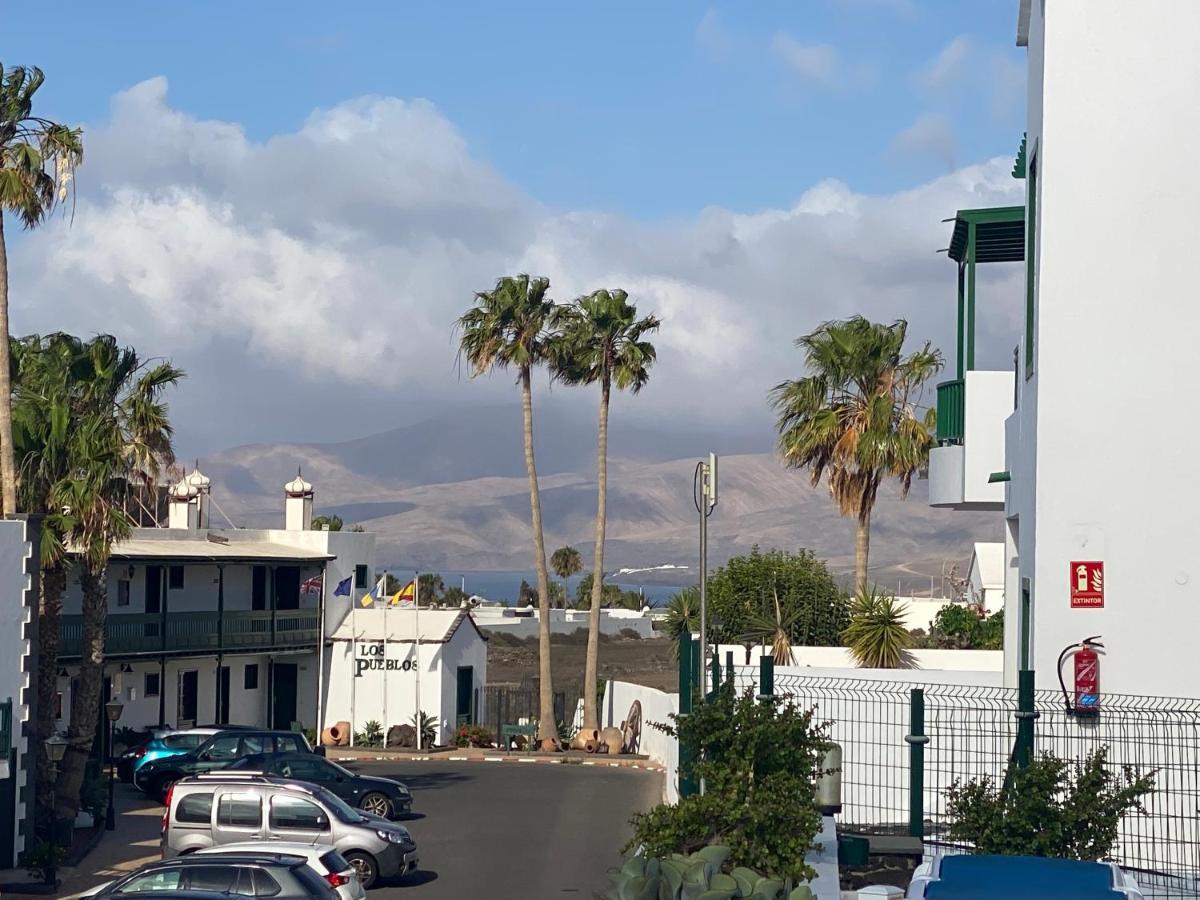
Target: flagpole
417, 628
321, 657
381, 590
353, 658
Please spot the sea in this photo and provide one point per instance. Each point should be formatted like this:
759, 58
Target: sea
505, 587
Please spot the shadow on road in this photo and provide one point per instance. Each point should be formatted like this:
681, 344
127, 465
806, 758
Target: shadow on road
428, 780
419, 877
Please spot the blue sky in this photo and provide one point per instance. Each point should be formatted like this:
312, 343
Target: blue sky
654, 109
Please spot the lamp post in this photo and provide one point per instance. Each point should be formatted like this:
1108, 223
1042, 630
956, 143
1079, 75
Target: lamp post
56, 746
114, 710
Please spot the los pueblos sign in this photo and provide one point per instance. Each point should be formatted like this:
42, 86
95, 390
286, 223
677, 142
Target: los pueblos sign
1087, 585
373, 657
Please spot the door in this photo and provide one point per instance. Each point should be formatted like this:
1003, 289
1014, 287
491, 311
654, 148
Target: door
465, 715
153, 589
189, 695
223, 695
310, 767
217, 754
295, 818
287, 587
239, 817
283, 691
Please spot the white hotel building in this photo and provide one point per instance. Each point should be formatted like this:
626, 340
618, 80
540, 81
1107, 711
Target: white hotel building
1088, 444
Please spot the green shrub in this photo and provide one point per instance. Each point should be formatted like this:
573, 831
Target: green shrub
876, 635
370, 736
759, 761
428, 728
966, 627
473, 736
630, 634
699, 875
1052, 808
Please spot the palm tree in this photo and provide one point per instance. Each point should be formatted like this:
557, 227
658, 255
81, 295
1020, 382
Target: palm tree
876, 636
507, 328
37, 163
600, 340
856, 416
566, 561
120, 427
683, 613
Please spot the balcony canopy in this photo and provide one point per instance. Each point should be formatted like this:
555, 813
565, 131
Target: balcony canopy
999, 235
206, 551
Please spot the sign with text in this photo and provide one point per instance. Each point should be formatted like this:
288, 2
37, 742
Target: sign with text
1087, 584
372, 657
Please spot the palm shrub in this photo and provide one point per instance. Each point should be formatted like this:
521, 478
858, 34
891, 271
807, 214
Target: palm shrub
876, 635
428, 727
683, 614
759, 761
1051, 808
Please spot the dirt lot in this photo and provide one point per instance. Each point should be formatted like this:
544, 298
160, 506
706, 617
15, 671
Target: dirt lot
641, 661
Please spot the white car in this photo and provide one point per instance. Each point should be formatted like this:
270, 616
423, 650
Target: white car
322, 859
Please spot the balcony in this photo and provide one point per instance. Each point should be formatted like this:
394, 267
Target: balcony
182, 633
951, 406
970, 433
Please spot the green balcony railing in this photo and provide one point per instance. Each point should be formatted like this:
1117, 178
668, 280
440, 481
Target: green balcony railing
951, 411
128, 634
6, 728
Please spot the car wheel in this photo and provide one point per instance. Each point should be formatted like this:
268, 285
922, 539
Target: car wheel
162, 784
364, 864
376, 804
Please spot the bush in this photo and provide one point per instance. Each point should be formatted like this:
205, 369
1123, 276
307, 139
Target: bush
760, 762
370, 736
876, 635
630, 634
473, 736
1051, 808
698, 875
967, 627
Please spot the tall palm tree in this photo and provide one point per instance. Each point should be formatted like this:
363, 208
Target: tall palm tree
857, 416
566, 561
600, 339
120, 427
37, 163
507, 328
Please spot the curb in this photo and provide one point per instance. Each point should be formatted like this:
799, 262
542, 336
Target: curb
547, 760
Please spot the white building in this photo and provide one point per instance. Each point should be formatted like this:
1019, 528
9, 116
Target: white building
1087, 444
985, 576
227, 626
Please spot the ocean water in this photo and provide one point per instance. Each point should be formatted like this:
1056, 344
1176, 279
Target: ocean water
506, 586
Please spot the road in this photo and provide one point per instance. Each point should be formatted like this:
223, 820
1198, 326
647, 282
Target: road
515, 831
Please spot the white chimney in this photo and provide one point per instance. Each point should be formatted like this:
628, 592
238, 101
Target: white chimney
297, 504
203, 485
183, 507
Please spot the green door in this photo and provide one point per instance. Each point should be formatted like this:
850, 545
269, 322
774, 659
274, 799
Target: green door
283, 689
464, 708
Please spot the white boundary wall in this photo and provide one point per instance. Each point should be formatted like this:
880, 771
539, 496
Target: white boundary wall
657, 706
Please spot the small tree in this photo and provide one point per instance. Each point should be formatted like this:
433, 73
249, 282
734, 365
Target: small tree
876, 635
760, 760
1052, 808
565, 561
327, 523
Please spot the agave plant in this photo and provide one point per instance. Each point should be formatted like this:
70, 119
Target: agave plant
428, 728
876, 635
775, 630
683, 612
697, 875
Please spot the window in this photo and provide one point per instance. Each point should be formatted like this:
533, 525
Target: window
122, 592
259, 883
58, 704
151, 686
216, 878
250, 680
290, 743
257, 743
184, 741
240, 810
175, 578
151, 881
195, 808
297, 813
258, 587
1031, 256
223, 748
360, 576
305, 769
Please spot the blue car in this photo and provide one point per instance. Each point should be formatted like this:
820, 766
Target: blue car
163, 742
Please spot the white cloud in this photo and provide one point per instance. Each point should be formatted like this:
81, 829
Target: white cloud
713, 38
966, 69
310, 281
931, 134
950, 65
814, 62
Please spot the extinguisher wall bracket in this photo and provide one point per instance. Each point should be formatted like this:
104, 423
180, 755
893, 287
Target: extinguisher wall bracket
1080, 712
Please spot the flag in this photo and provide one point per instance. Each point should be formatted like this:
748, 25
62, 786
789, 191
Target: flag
367, 599
405, 595
313, 585
376, 593
343, 587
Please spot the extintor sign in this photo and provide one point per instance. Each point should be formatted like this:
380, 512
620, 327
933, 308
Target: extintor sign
1087, 585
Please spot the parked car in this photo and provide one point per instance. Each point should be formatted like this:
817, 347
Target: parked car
281, 876
161, 743
322, 859
215, 752
384, 797
222, 808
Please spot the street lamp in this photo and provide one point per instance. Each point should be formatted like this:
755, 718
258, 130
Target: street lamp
114, 710
56, 747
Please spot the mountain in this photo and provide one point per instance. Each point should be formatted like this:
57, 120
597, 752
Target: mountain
451, 493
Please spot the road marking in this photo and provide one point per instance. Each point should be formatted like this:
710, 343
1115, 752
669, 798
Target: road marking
493, 759
456, 758
526, 759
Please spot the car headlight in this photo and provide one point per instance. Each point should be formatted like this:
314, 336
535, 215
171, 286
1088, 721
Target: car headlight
393, 837
401, 790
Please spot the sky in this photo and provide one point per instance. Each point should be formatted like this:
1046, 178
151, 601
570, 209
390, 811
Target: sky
294, 201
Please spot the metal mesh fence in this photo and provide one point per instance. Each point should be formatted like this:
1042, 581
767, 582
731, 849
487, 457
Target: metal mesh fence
972, 730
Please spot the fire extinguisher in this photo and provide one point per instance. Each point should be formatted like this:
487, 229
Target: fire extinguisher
1086, 700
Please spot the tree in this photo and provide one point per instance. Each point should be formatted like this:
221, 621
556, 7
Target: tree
120, 425
742, 593
507, 328
683, 612
600, 340
566, 561
431, 587
876, 634
856, 416
37, 164
334, 523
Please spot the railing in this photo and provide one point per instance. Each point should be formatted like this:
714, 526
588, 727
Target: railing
951, 411
6, 728
127, 634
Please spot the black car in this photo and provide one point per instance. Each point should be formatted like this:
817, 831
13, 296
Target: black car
384, 797
279, 875
223, 748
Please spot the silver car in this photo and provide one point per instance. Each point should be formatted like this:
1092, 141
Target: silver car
222, 808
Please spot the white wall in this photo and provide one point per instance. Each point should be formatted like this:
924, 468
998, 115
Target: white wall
988, 399
15, 551
967, 666
657, 706
1115, 335
562, 621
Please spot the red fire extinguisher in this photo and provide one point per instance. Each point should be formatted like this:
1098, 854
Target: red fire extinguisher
1086, 701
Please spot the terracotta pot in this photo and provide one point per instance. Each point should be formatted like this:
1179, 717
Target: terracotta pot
612, 740
586, 740
337, 735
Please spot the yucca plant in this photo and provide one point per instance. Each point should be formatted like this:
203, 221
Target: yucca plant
428, 728
775, 630
876, 635
683, 613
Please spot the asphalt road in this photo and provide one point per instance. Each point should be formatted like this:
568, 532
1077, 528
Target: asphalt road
515, 831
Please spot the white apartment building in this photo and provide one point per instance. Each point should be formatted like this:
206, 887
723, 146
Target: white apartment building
1087, 443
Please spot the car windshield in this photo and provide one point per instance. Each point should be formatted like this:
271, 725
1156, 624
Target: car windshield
344, 811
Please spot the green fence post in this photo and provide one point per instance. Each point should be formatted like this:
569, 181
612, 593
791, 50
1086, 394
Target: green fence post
715, 683
697, 662
916, 739
729, 668
687, 785
1026, 714
766, 677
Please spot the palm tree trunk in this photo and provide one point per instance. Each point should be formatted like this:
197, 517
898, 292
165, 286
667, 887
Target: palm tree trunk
86, 701
547, 726
862, 548
592, 661
8, 471
54, 583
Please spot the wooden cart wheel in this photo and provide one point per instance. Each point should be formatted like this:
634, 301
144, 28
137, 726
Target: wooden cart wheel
632, 728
